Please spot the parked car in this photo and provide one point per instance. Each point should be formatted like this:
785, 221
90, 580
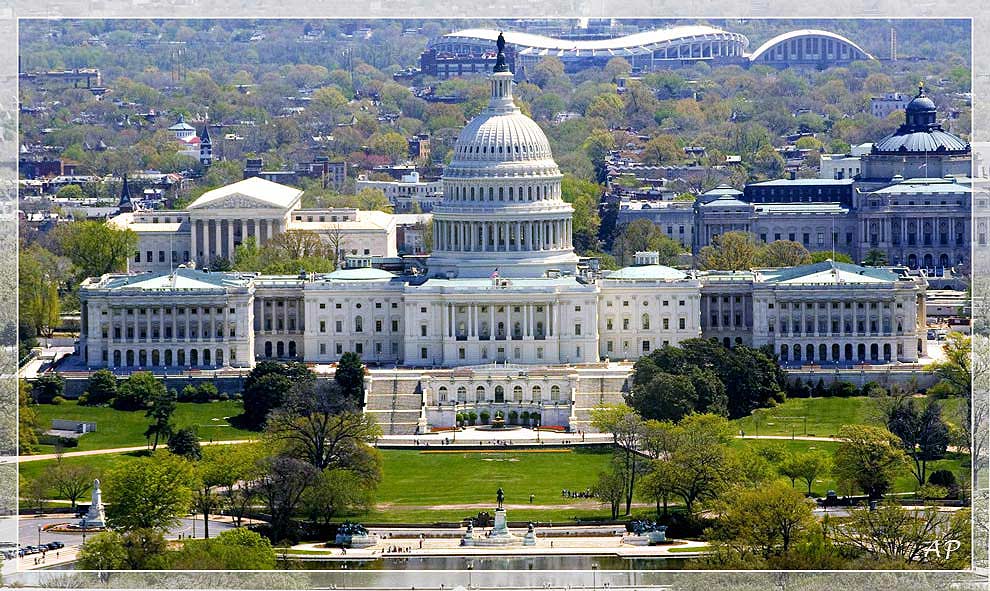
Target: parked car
56, 545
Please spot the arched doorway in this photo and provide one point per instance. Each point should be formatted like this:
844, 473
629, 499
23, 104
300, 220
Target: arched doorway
206, 356
784, 352
823, 352
479, 393
130, 358
268, 349
156, 357
861, 352
142, 358
797, 352
280, 349
168, 357
886, 352
810, 349
943, 260
874, 352
292, 348
928, 261
180, 357
517, 393
912, 261
116, 358
193, 357
218, 357
835, 352
849, 352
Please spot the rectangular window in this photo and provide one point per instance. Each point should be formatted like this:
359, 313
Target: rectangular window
422, 330
646, 346
378, 325
395, 326
323, 325
666, 323
577, 330
339, 326
681, 323
323, 348
340, 348
358, 348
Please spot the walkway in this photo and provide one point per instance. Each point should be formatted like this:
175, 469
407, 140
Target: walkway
118, 450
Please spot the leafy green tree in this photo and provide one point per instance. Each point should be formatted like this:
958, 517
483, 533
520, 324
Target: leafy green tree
732, 251
805, 466
96, 247
662, 149
870, 457
820, 256
267, 385
783, 253
767, 521
349, 376
28, 421
699, 466
71, 481
149, 493
280, 486
185, 443
597, 146
233, 549
904, 535
875, 258
665, 397
141, 549
101, 388
627, 429
642, 234
583, 196
160, 412
47, 387
138, 391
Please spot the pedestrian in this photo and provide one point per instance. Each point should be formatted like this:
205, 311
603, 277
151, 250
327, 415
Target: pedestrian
530, 499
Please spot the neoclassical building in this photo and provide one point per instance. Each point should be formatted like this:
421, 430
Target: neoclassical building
504, 319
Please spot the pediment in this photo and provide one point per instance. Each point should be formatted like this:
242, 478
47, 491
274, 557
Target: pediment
237, 201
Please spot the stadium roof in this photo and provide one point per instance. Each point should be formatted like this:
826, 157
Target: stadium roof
529, 43
802, 33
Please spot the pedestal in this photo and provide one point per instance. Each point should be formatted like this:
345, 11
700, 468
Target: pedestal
500, 526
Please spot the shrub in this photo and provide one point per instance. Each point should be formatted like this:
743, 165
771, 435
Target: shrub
472, 417
206, 392
535, 418
513, 417
47, 387
187, 394
101, 388
942, 389
58, 400
485, 417
525, 417
873, 389
945, 479
842, 389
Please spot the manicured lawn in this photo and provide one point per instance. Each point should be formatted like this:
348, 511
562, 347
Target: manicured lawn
822, 417
425, 479
118, 428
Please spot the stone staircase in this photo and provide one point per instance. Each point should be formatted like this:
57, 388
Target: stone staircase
394, 400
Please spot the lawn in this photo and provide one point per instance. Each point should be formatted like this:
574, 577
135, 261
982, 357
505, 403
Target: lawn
822, 417
118, 428
425, 479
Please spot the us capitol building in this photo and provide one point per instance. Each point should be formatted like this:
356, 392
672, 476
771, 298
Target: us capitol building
504, 319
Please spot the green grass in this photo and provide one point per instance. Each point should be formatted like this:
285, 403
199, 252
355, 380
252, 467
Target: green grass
822, 417
119, 428
694, 549
416, 478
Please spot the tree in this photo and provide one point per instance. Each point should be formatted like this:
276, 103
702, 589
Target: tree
732, 251
349, 376
765, 521
36, 491
662, 149
923, 433
327, 430
47, 387
71, 481
659, 484
699, 465
820, 256
768, 163
610, 490
149, 493
101, 388
892, 532
868, 456
160, 412
28, 422
783, 253
665, 397
281, 485
104, 551
185, 443
138, 391
266, 386
334, 491
626, 428
233, 549
95, 247
642, 234
806, 466
875, 258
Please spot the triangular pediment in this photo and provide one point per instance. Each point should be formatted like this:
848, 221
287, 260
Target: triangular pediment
236, 201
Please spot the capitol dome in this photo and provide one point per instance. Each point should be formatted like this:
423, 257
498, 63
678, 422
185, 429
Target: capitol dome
502, 208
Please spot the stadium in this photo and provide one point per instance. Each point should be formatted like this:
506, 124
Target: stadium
469, 51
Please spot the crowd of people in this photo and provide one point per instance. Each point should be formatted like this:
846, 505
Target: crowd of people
576, 494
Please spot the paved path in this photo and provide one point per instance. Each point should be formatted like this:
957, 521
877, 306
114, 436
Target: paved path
118, 450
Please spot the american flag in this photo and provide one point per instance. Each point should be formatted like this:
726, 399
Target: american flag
495, 273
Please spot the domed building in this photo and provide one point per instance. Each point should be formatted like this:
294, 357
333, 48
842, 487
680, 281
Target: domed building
920, 148
502, 212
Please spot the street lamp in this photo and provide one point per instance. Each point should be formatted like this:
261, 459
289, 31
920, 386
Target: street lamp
594, 575
470, 569
39, 535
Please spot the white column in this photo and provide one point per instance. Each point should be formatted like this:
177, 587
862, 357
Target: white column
193, 252
230, 239
491, 322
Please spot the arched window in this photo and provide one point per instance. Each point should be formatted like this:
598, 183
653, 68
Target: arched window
517, 393
554, 393
646, 322
479, 393
499, 394
537, 393
442, 394
462, 393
